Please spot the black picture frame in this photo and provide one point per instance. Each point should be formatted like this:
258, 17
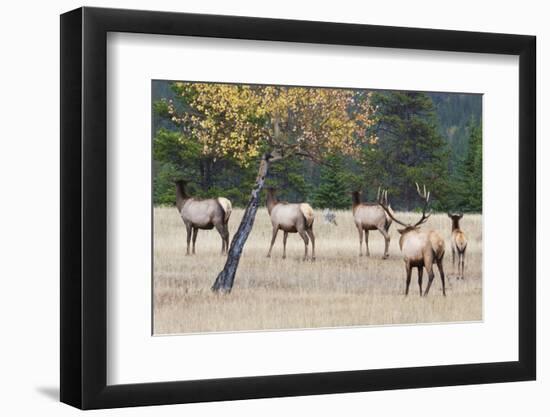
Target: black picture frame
84, 207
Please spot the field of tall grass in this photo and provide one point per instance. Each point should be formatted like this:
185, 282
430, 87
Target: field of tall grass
338, 289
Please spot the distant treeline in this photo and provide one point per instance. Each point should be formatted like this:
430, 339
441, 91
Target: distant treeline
432, 138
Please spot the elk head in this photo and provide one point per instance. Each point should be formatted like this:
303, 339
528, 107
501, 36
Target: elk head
455, 218
271, 199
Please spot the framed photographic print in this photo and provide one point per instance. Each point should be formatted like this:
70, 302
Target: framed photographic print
257, 208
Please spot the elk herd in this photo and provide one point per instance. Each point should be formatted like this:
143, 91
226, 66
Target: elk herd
421, 248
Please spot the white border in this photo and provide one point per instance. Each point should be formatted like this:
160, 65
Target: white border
135, 356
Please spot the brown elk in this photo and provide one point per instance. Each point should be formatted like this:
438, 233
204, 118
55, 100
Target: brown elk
421, 248
458, 243
290, 218
370, 216
203, 214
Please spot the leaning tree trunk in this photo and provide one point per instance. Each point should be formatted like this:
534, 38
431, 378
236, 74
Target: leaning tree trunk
225, 279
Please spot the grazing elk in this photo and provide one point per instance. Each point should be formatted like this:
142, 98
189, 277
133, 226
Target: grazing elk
203, 214
371, 216
458, 243
421, 248
290, 218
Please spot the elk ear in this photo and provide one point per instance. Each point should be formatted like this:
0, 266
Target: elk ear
450, 215
460, 215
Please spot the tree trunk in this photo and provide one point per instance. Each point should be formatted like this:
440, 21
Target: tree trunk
225, 279
205, 166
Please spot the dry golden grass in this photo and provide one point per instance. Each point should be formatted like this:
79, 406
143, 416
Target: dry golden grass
338, 289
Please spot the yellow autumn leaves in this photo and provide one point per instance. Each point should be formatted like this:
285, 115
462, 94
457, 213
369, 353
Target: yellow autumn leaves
242, 121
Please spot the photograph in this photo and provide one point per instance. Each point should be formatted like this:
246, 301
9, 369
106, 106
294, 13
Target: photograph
280, 207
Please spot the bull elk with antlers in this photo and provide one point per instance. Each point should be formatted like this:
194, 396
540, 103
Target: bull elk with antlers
421, 248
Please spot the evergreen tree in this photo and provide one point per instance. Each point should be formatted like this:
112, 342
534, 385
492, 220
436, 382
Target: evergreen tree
409, 149
164, 175
466, 181
473, 171
334, 185
289, 178
455, 113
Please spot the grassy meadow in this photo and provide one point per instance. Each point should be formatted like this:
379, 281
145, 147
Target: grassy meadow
338, 289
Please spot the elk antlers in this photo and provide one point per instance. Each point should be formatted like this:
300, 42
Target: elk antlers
426, 198
425, 195
382, 196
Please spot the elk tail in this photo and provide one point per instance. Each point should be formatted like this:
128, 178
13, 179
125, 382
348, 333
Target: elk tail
307, 211
226, 206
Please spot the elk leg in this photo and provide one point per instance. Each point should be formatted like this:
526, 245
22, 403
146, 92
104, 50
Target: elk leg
219, 228
188, 228
360, 230
454, 254
312, 237
408, 282
367, 241
430, 271
462, 256
273, 237
441, 274
224, 233
285, 236
420, 272
195, 233
303, 235
386, 242
226, 238
459, 266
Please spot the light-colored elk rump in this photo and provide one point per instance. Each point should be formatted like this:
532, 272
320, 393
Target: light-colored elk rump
203, 214
291, 218
459, 241
420, 248
371, 216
